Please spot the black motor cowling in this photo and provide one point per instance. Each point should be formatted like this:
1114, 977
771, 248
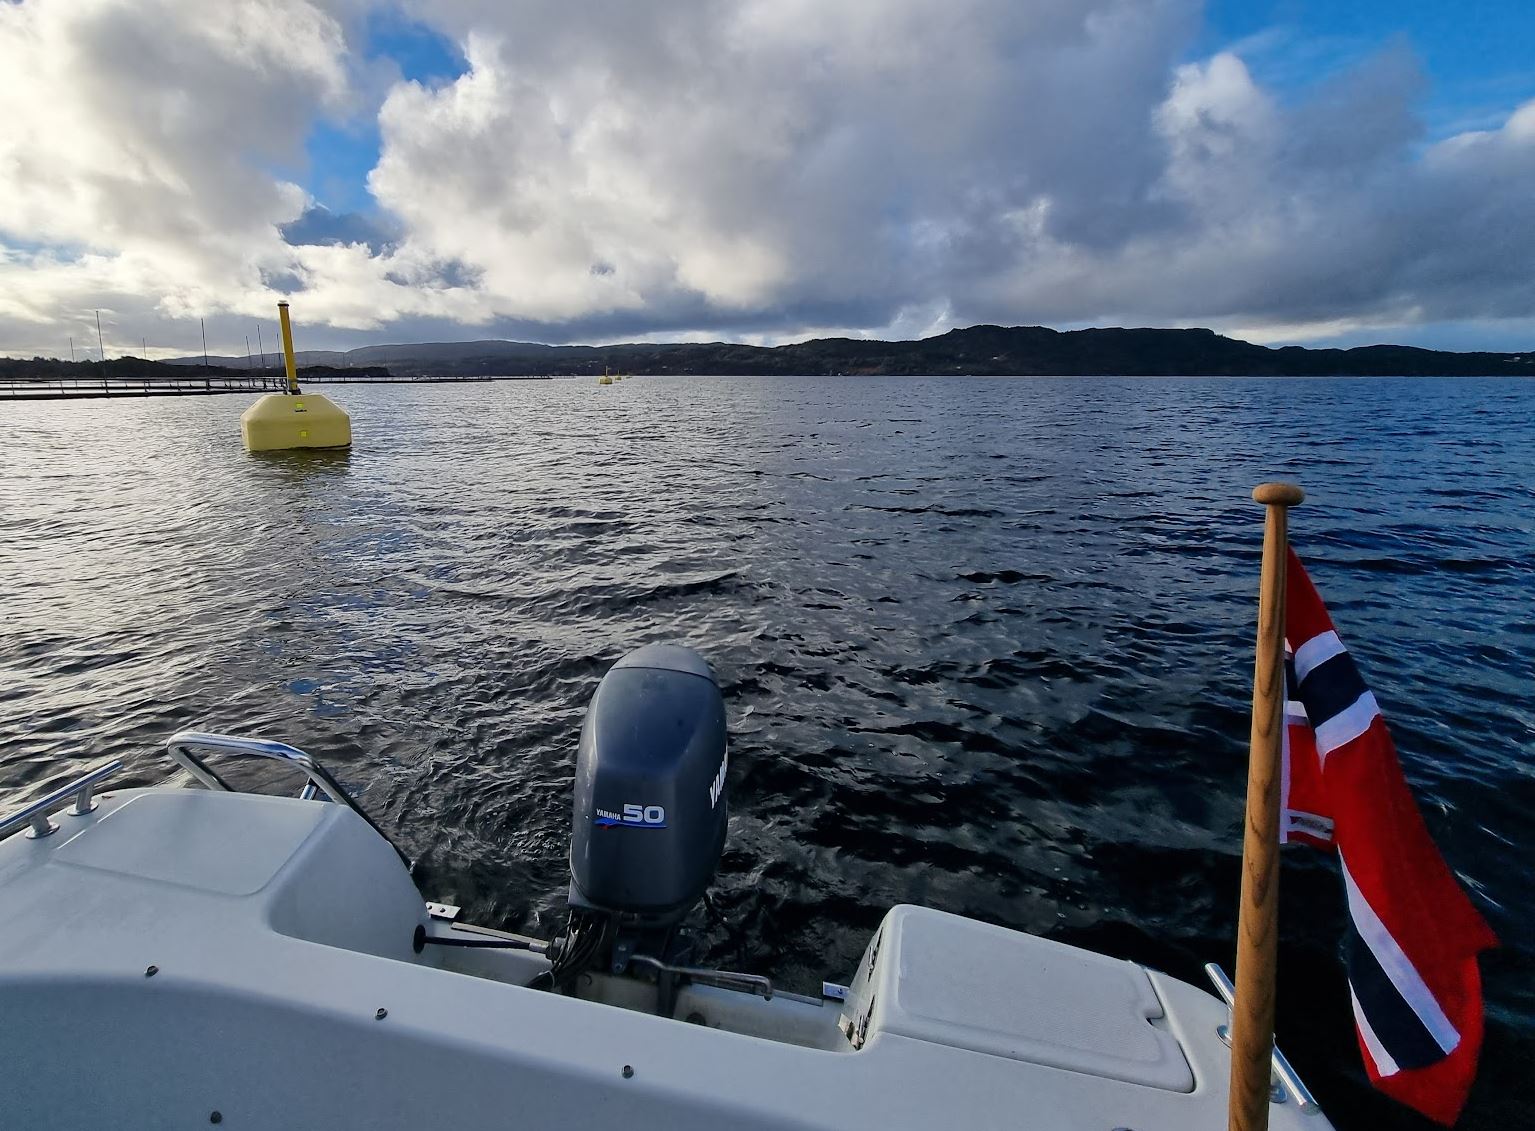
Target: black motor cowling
650, 804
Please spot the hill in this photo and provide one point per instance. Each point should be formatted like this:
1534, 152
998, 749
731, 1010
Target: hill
978, 350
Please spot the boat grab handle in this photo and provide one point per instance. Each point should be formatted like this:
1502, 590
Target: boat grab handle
1289, 1079
723, 979
36, 814
181, 747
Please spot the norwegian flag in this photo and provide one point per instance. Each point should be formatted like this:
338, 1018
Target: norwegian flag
1413, 935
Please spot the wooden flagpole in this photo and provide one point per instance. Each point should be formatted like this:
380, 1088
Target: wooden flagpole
1252, 1012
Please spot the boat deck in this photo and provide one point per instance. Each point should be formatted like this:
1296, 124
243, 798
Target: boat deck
181, 952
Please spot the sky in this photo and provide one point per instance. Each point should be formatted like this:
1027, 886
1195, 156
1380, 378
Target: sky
1286, 171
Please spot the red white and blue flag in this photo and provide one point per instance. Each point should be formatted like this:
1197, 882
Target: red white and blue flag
1413, 935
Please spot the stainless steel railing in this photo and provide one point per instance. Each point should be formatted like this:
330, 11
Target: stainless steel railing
1287, 1080
37, 813
181, 749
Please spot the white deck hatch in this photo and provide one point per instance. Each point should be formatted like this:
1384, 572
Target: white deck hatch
166, 837
953, 981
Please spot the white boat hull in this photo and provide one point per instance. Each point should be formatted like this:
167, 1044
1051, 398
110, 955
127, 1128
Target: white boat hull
179, 953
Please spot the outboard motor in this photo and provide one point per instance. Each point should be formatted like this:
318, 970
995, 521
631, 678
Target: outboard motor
650, 809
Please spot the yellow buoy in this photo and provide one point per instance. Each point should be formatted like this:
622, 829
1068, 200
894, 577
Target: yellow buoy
291, 419
604, 380
294, 420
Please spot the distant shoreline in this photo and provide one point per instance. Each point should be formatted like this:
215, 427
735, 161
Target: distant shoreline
979, 351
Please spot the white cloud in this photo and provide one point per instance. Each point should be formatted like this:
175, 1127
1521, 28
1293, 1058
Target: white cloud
758, 169
137, 153
800, 162
1321, 216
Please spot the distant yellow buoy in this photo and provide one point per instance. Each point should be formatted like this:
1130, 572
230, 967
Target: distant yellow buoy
604, 380
291, 419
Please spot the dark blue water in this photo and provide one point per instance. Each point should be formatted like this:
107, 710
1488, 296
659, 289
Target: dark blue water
986, 644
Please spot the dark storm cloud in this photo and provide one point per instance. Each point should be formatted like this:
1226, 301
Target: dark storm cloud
320, 227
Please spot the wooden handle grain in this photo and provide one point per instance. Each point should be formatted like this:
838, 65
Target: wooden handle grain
1252, 1013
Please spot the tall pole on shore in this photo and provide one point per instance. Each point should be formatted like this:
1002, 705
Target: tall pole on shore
144, 348
260, 345
1252, 1010
249, 361
71, 349
100, 342
204, 327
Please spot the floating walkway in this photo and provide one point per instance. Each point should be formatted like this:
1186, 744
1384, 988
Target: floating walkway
82, 388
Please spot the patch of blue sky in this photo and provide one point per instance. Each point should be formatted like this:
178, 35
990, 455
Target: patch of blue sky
16, 248
1476, 57
341, 154
421, 54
